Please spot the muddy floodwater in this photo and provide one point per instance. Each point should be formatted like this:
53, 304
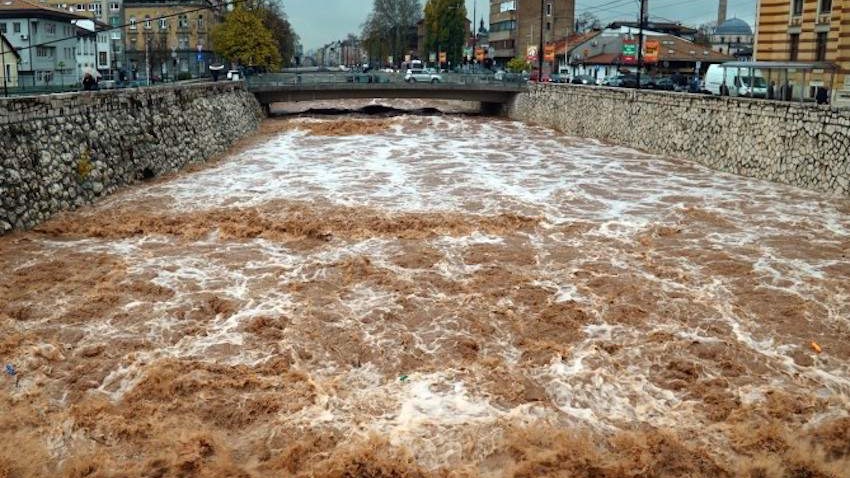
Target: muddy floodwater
430, 295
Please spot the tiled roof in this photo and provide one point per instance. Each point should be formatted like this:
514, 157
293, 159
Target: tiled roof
566, 44
10, 8
8, 46
672, 49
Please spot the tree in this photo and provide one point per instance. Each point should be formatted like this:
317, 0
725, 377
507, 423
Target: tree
445, 28
389, 28
275, 19
586, 22
704, 32
518, 65
244, 39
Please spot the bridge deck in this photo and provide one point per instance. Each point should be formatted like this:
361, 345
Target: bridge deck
271, 92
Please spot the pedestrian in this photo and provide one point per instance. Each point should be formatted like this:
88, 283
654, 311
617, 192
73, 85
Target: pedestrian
88, 82
822, 96
771, 90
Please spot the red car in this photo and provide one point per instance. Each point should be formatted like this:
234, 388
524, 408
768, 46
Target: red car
535, 77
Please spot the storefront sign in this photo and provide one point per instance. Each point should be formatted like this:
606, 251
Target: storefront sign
531, 54
651, 50
549, 53
629, 51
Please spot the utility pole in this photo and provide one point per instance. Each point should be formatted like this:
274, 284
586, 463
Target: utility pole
642, 22
147, 61
540, 46
3, 63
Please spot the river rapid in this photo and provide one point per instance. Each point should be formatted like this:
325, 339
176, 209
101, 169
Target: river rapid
431, 295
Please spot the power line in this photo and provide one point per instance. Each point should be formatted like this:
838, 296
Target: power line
119, 27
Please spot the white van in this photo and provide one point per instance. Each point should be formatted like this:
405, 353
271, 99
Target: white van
738, 82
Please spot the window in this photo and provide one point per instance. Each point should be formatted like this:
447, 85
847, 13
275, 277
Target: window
183, 21
16, 27
101, 57
3, 28
796, 8
80, 7
794, 47
113, 6
50, 29
200, 22
91, 7
507, 26
548, 9
825, 6
507, 6
163, 24
820, 52
8, 70
115, 21
132, 23
147, 22
183, 43
548, 26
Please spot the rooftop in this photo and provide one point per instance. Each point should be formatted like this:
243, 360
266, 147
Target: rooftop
26, 8
733, 26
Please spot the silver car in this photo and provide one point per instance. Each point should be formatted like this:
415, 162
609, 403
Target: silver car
424, 75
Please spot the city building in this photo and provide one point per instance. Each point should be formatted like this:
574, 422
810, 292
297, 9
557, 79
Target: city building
44, 38
808, 31
603, 53
9, 59
110, 44
93, 47
171, 37
515, 26
734, 37
670, 28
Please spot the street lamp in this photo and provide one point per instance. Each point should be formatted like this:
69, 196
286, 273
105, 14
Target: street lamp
540, 47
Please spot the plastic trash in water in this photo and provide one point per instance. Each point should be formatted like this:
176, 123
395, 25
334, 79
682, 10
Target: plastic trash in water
817, 348
10, 370
403, 378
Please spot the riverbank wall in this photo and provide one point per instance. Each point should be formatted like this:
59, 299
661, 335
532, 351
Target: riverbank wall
796, 144
60, 152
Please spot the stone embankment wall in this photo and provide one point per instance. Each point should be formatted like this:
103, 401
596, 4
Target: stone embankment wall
59, 152
801, 145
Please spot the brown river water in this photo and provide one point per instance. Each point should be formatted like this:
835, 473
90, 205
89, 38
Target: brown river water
417, 296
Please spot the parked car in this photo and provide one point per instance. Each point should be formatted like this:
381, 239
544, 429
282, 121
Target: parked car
620, 81
559, 78
425, 75
668, 84
737, 82
535, 77
583, 80
510, 77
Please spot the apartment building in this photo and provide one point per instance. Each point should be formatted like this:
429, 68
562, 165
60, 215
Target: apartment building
807, 31
169, 36
8, 64
104, 12
515, 26
44, 38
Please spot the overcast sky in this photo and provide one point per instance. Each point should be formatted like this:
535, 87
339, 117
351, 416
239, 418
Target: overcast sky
322, 21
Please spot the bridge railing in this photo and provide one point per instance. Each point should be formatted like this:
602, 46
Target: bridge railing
291, 79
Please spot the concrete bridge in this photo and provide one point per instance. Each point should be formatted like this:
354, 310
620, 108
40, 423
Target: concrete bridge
491, 94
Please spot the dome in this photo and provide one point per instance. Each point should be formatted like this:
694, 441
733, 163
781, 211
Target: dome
732, 27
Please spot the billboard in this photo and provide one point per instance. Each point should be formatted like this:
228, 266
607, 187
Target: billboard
629, 51
531, 54
651, 51
549, 53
